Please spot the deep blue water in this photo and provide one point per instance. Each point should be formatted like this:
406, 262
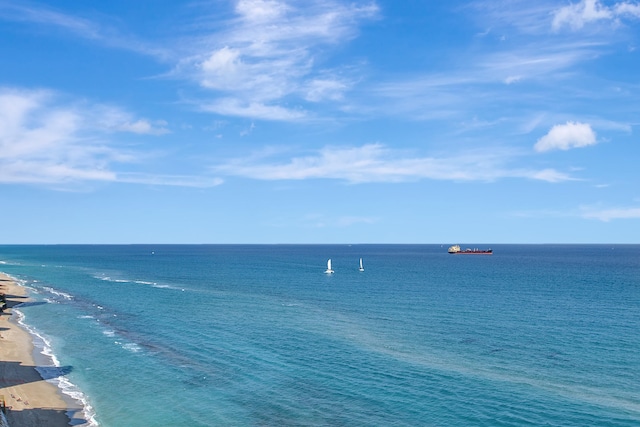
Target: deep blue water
243, 335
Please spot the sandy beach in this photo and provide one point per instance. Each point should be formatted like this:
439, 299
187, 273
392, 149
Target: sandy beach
30, 400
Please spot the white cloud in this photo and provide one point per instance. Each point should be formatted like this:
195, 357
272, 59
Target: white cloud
541, 61
270, 52
324, 88
222, 68
44, 140
114, 119
512, 79
376, 163
503, 16
42, 144
347, 221
550, 175
607, 215
472, 87
43, 172
257, 110
249, 130
586, 212
567, 136
41, 15
626, 8
261, 10
170, 180
577, 15
143, 126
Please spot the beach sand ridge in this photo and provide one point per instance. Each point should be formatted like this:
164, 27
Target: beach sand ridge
30, 400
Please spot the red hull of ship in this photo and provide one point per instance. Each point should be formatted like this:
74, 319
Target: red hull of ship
473, 253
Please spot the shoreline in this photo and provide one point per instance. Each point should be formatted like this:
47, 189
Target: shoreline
30, 399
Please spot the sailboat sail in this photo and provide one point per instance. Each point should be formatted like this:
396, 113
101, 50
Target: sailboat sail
361, 267
329, 270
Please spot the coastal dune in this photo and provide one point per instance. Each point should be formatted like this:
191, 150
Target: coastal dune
29, 400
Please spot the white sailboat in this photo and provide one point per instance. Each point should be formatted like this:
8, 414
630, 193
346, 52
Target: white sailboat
329, 270
361, 267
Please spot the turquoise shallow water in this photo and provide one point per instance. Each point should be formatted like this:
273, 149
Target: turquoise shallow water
241, 335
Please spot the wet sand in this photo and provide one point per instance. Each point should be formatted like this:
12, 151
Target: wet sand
30, 400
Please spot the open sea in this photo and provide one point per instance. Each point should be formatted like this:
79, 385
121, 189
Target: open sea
259, 335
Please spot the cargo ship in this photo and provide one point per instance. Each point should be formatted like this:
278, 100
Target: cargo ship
455, 249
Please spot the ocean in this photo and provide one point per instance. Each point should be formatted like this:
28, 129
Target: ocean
259, 335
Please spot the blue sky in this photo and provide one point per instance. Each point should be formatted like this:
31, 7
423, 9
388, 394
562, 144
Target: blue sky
320, 121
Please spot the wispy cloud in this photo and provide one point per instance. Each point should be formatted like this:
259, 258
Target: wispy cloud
347, 221
40, 143
537, 61
577, 15
169, 180
45, 139
113, 119
505, 16
543, 16
143, 126
46, 15
377, 163
269, 54
528, 70
533, 72
487, 82
235, 107
567, 136
585, 212
611, 214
